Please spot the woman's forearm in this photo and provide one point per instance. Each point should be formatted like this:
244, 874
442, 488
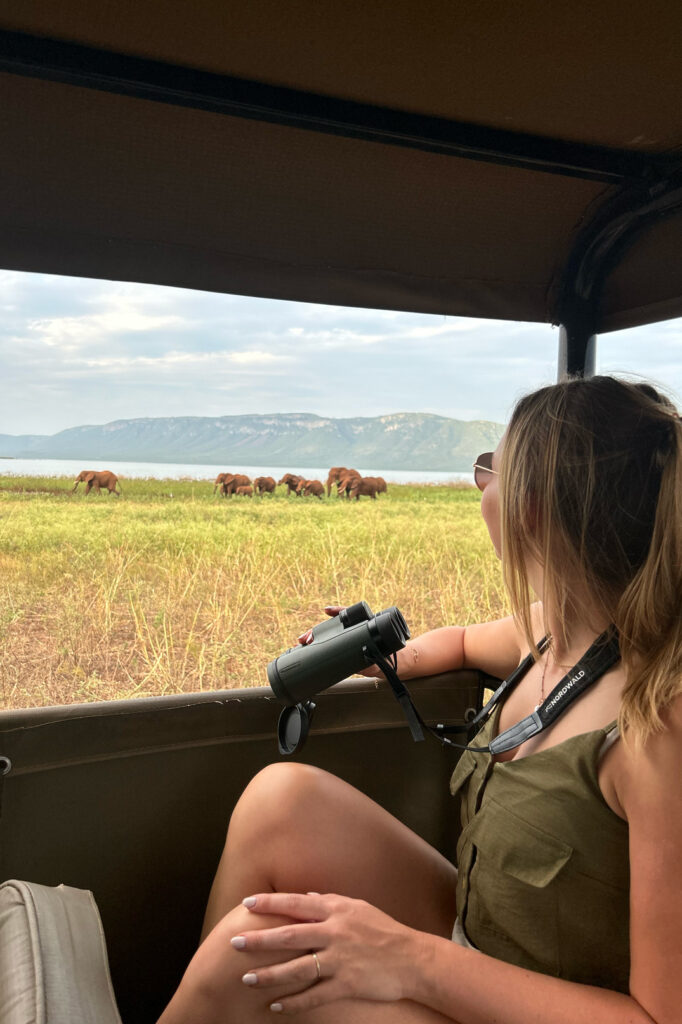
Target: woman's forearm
473, 988
440, 650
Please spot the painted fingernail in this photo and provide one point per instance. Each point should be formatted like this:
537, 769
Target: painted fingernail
238, 942
249, 902
276, 1007
250, 979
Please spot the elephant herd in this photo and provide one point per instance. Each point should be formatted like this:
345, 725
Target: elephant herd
348, 482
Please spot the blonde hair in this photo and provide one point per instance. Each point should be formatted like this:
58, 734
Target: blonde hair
591, 486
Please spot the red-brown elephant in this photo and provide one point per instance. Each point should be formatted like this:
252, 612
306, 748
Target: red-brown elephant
98, 479
344, 484
337, 473
264, 484
363, 485
292, 481
246, 490
218, 482
307, 487
232, 481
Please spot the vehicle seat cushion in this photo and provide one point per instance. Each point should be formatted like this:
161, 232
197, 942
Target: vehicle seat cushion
53, 957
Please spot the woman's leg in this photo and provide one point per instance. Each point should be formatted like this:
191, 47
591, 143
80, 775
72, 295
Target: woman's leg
299, 829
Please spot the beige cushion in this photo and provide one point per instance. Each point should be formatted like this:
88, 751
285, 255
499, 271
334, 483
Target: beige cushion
53, 957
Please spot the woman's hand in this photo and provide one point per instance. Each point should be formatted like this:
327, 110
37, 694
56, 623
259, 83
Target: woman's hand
373, 671
331, 610
361, 952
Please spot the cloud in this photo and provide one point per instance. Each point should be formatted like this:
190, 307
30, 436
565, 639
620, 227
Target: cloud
205, 360
70, 332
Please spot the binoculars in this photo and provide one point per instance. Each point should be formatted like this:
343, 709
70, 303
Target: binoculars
341, 646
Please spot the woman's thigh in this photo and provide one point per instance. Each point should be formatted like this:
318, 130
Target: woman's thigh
364, 1012
300, 829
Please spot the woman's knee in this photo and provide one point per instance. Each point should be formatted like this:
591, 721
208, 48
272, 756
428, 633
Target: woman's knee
215, 973
280, 794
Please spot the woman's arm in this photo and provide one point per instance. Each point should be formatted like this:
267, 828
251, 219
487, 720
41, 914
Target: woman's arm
366, 955
493, 647
473, 988
650, 794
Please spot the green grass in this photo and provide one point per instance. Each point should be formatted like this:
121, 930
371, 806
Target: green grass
168, 589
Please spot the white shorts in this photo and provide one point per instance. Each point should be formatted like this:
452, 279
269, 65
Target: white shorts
459, 937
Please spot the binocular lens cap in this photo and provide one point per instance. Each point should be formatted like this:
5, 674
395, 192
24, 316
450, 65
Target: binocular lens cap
293, 726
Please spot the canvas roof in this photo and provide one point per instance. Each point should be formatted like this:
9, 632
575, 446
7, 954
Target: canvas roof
438, 157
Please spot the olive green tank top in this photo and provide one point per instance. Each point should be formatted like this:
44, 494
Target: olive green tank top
543, 868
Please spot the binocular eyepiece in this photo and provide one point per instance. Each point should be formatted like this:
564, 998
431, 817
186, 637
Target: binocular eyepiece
340, 646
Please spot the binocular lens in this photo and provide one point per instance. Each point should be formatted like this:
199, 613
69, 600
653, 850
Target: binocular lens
389, 630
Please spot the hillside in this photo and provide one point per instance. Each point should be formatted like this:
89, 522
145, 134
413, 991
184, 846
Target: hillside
396, 441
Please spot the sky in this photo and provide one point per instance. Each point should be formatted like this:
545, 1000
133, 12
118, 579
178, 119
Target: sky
76, 351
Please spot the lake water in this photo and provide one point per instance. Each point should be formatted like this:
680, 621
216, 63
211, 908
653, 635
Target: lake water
175, 470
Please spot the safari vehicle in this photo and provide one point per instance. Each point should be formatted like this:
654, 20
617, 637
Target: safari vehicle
516, 161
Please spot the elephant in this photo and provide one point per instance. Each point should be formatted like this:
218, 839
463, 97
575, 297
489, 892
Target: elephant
98, 479
232, 481
379, 481
292, 481
363, 485
336, 473
315, 487
246, 490
264, 484
218, 483
344, 484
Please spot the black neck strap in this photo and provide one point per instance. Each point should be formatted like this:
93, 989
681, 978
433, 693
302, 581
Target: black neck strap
602, 654
594, 663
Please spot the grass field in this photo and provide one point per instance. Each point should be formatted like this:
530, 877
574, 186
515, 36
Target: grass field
168, 589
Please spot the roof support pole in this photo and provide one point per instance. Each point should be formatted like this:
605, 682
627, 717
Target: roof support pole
577, 351
598, 249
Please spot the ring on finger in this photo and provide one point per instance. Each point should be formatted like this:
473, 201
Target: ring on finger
317, 967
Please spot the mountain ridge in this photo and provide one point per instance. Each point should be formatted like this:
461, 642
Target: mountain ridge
399, 440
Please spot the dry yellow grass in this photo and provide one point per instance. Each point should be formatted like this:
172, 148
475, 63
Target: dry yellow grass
170, 590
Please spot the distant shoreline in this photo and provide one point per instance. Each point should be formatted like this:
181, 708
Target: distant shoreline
207, 471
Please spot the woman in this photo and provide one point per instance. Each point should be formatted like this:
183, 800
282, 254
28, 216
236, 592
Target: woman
568, 892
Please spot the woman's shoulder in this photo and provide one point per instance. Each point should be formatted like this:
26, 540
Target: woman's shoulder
650, 769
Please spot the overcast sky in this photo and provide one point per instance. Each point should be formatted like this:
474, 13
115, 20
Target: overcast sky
75, 351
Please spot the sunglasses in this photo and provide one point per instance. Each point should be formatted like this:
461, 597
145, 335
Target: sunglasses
483, 470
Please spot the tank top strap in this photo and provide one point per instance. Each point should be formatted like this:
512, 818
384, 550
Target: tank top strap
611, 735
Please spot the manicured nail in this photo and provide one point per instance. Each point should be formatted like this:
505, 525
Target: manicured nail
250, 979
238, 942
249, 902
276, 1007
